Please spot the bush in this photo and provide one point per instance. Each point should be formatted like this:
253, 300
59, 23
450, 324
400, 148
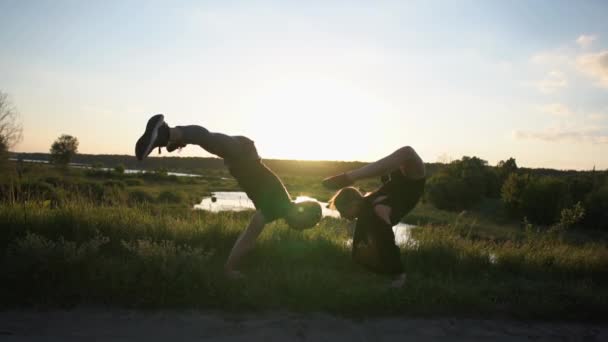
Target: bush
54, 180
139, 196
90, 190
512, 193
544, 199
596, 209
541, 200
134, 182
493, 184
114, 183
462, 184
570, 217
579, 187
113, 195
120, 169
168, 196
36, 190
448, 193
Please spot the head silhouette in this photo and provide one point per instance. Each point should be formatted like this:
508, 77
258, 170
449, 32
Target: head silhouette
347, 201
303, 215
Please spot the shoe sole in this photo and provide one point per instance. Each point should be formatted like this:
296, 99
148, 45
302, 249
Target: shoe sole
151, 129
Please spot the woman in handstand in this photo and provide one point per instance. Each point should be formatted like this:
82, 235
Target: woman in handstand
403, 176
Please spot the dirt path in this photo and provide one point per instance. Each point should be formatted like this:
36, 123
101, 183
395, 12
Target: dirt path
125, 325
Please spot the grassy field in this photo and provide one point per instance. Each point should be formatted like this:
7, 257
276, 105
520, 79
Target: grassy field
160, 255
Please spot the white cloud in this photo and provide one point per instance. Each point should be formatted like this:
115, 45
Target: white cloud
551, 58
554, 81
569, 125
593, 135
598, 117
595, 65
557, 109
585, 40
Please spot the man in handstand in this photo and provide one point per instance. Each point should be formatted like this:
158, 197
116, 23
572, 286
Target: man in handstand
264, 188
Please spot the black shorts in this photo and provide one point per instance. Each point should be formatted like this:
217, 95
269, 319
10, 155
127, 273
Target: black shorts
261, 185
402, 195
374, 243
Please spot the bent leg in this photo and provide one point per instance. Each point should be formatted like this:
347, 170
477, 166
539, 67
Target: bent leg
386, 164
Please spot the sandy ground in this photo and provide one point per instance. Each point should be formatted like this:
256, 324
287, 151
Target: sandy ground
126, 325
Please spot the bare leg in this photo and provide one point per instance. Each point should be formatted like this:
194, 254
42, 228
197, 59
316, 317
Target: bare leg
222, 145
405, 156
244, 243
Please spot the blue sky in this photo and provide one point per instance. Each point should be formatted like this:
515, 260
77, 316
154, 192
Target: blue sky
339, 80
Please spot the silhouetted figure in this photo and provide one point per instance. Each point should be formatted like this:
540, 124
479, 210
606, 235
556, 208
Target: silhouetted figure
403, 177
264, 188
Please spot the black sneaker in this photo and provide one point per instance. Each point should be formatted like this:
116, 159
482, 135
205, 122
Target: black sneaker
156, 135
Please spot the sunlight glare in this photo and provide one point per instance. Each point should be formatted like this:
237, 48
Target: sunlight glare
312, 119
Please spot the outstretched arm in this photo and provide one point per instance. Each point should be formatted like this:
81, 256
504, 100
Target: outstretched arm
244, 244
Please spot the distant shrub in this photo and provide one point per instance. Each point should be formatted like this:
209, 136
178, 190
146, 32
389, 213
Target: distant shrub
134, 182
113, 195
139, 196
512, 193
97, 173
579, 187
169, 196
540, 199
120, 169
154, 176
596, 207
114, 183
462, 184
90, 190
544, 199
448, 193
54, 180
493, 183
570, 217
36, 190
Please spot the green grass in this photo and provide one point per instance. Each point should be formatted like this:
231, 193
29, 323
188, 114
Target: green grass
159, 257
77, 237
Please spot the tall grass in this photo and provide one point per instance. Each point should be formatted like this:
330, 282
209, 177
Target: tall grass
156, 256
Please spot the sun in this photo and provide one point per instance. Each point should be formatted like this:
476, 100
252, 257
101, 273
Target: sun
310, 118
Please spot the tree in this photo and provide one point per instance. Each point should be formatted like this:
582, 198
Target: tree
10, 127
461, 185
512, 193
63, 149
3, 154
120, 169
544, 198
505, 168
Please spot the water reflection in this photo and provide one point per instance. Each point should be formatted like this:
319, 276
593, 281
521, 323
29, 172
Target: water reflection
237, 201
89, 166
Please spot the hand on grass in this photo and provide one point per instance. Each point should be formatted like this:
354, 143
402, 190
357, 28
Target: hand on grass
234, 274
398, 282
